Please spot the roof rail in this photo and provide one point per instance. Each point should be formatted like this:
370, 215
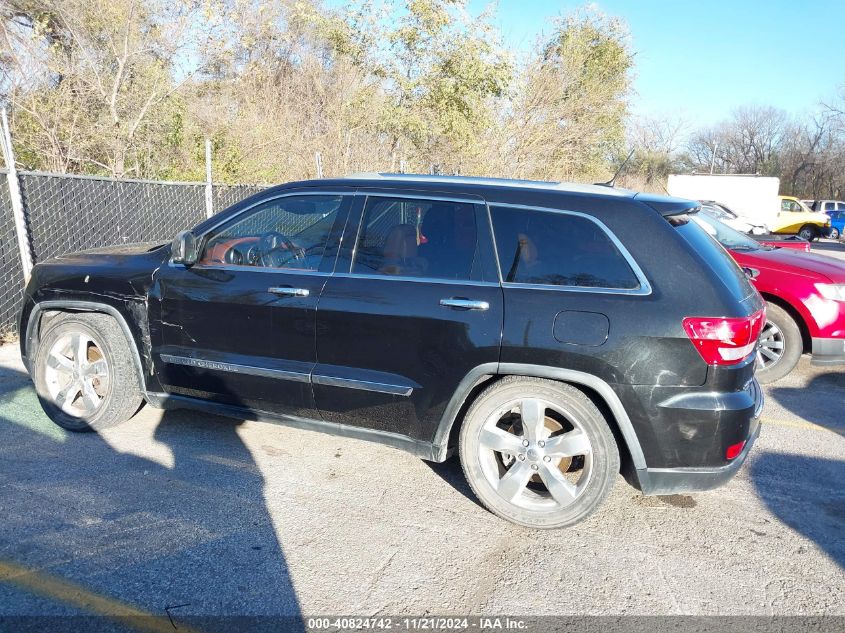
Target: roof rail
499, 182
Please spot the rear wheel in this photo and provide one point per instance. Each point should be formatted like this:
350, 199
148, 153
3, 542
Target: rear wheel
809, 232
780, 345
84, 374
537, 452
834, 233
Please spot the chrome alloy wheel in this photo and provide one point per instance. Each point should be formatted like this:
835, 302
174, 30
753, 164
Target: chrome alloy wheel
535, 455
771, 347
77, 374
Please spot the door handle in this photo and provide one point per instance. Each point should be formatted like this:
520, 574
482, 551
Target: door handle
464, 304
286, 291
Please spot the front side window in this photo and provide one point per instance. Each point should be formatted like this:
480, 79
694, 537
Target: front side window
286, 232
559, 249
829, 206
417, 238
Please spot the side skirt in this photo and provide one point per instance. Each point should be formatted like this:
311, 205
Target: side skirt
418, 448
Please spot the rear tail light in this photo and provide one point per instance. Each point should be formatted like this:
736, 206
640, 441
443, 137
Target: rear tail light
725, 341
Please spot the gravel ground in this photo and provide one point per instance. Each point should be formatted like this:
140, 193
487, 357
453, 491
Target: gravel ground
184, 514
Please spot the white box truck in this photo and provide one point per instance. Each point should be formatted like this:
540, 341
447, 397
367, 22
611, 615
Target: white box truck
752, 197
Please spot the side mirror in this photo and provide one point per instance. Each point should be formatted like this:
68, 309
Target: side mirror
183, 250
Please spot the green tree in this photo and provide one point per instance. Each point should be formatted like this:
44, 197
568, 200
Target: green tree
569, 110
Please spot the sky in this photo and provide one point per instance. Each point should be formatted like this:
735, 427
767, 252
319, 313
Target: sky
700, 59
703, 58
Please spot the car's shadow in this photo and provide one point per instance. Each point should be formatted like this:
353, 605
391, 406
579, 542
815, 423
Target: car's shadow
829, 387
806, 492
185, 533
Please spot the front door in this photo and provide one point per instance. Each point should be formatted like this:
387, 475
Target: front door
238, 326
406, 317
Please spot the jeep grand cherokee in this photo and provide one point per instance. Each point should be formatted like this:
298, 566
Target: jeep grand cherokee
544, 332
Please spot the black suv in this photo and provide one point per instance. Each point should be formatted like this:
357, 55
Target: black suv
547, 333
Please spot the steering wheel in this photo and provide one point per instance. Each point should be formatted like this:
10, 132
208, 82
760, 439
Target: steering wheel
276, 250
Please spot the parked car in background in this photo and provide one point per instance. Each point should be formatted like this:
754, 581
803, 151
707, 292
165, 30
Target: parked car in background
734, 220
796, 218
825, 206
541, 332
792, 242
805, 301
837, 223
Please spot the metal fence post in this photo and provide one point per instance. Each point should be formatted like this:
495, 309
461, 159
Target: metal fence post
209, 190
17, 201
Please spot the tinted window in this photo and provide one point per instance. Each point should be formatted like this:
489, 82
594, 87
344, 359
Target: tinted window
289, 232
541, 247
720, 262
417, 238
829, 206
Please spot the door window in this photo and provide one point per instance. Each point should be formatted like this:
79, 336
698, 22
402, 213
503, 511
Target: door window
289, 232
829, 206
559, 249
402, 237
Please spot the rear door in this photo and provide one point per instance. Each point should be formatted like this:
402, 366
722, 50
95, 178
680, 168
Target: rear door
238, 326
414, 305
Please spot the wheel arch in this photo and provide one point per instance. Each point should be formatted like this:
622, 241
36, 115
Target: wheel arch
484, 375
796, 314
817, 231
52, 308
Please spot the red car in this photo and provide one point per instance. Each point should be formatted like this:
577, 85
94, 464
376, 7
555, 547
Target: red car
805, 297
792, 242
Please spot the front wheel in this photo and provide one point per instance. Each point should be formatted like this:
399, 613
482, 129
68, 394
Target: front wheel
834, 233
780, 346
84, 374
809, 232
538, 452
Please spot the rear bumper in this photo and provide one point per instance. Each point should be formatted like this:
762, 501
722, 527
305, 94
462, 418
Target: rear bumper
828, 351
666, 481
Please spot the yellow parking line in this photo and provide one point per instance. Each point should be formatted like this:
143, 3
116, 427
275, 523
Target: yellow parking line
66, 592
799, 424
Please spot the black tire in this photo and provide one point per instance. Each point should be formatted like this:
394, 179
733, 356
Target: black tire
787, 332
121, 397
603, 462
834, 233
809, 232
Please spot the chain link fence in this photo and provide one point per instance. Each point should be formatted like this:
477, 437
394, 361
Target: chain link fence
73, 213
11, 271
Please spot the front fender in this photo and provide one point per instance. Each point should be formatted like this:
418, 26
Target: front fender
130, 316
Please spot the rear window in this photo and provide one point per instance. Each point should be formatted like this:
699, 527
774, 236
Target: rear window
558, 249
719, 260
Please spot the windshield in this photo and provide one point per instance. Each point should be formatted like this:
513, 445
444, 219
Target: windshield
725, 235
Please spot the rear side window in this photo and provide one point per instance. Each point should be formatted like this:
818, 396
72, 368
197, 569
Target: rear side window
829, 206
402, 237
715, 255
558, 249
